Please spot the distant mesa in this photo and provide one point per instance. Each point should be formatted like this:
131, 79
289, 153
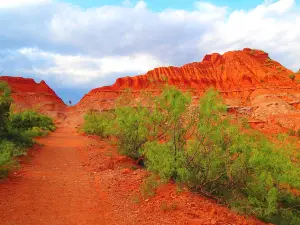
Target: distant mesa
249, 81
245, 78
28, 94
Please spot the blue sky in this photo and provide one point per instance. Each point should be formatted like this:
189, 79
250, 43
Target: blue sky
160, 5
77, 45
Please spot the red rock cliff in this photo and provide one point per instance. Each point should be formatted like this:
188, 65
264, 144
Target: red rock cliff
29, 94
244, 78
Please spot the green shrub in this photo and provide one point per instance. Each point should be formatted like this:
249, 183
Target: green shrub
6, 152
169, 115
17, 130
206, 150
28, 119
292, 76
131, 130
98, 123
149, 186
5, 101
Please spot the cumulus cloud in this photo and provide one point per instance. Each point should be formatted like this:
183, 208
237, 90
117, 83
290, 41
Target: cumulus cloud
55, 40
17, 3
270, 26
79, 69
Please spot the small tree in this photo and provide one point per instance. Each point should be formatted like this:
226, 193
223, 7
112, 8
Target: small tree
293, 76
165, 154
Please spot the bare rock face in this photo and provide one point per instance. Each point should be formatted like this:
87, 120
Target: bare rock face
28, 94
250, 82
245, 78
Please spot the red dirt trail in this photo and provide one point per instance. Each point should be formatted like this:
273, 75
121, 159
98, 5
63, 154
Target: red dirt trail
75, 179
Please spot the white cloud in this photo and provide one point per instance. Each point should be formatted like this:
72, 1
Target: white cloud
81, 69
4, 4
60, 40
270, 26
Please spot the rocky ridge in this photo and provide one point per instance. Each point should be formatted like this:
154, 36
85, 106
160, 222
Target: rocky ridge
28, 94
247, 78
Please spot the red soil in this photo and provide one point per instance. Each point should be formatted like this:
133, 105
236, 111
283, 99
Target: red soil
74, 179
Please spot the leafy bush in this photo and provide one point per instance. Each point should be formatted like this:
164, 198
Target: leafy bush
5, 101
29, 119
98, 123
205, 149
17, 130
292, 76
131, 129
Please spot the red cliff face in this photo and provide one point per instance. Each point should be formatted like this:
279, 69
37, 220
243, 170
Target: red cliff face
242, 77
29, 94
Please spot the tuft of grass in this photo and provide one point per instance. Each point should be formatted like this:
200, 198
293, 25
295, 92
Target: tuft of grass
136, 199
165, 207
149, 186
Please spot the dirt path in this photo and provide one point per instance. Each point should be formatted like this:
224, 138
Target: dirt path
74, 179
53, 188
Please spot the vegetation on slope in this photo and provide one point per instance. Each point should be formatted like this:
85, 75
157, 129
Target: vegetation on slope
204, 149
17, 130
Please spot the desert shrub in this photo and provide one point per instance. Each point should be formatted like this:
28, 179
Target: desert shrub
149, 186
170, 111
206, 150
98, 123
298, 133
29, 119
5, 101
292, 76
6, 152
131, 130
17, 130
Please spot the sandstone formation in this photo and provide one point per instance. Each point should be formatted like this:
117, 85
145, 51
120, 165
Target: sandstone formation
28, 94
246, 78
250, 82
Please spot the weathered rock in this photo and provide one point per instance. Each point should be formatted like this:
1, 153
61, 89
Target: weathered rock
28, 94
246, 78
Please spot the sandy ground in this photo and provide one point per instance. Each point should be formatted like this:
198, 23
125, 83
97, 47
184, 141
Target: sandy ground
74, 179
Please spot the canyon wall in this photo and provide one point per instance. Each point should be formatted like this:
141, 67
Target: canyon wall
246, 79
28, 94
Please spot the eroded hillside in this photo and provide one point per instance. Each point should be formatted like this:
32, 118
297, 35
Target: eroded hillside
250, 82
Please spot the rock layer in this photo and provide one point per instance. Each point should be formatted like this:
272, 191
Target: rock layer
244, 78
28, 94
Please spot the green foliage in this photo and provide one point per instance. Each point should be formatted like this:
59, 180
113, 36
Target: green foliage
291, 132
292, 76
5, 101
298, 133
149, 186
168, 118
17, 130
165, 207
98, 123
131, 130
204, 149
29, 119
